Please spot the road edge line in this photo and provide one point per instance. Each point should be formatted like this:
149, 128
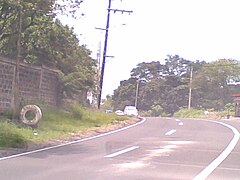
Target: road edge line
217, 161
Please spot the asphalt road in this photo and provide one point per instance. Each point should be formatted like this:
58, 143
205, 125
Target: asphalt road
159, 148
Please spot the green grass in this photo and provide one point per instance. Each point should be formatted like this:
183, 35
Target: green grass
196, 113
12, 136
55, 124
189, 113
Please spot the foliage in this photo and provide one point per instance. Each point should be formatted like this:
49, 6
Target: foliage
77, 111
55, 124
125, 94
224, 114
189, 113
10, 136
16, 18
156, 111
45, 41
107, 103
166, 89
229, 107
211, 84
67, 7
196, 113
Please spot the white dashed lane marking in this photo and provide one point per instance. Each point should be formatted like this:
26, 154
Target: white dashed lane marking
170, 132
121, 152
180, 124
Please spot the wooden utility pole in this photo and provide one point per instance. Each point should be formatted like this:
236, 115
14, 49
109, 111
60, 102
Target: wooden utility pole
105, 48
137, 90
190, 89
16, 82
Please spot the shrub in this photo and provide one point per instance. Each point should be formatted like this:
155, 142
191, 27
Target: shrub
10, 137
189, 113
55, 124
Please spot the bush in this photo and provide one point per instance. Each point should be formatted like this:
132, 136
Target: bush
55, 124
77, 111
189, 113
10, 137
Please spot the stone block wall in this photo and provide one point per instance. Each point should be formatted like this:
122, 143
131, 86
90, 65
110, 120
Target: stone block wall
6, 85
35, 83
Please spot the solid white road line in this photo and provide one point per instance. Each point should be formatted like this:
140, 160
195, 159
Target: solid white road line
73, 142
122, 152
170, 132
214, 164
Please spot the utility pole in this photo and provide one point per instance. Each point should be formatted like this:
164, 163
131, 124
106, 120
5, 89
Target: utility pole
137, 90
98, 71
16, 83
190, 89
105, 48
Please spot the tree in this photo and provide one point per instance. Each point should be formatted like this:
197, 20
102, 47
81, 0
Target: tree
148, 70
108, 103
26, 12
125, 94
45, 41
212, 83
36, 14
166, 87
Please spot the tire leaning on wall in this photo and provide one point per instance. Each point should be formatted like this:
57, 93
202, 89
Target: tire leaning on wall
33, 108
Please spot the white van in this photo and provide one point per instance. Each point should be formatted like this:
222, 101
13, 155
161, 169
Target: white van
130, 111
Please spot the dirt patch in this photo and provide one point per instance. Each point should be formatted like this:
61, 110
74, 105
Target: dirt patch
74, 137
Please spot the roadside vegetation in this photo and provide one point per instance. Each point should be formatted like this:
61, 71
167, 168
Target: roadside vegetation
55, 125
206, 114
189, 113
163, 86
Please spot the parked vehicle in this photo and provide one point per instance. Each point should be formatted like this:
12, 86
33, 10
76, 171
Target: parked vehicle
119, 113
108, 111
131, 111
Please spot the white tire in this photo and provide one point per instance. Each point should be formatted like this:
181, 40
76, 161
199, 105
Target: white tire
33, 108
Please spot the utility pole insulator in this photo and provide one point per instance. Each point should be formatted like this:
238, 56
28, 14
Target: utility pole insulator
119, 10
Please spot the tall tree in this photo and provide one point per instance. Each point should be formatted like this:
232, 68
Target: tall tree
212, 83
38, 13
125, 94
16, 13
45, 41
166, 87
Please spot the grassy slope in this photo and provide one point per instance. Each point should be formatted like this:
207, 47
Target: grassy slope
54, 125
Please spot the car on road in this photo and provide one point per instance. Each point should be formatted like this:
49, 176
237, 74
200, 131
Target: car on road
131, 111
119, 113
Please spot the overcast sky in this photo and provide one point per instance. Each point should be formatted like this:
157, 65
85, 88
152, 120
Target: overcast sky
194, 29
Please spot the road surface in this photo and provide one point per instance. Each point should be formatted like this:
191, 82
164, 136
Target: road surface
158, 148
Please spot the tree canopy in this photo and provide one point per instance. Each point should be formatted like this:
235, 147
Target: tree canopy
45, 41
166, 88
